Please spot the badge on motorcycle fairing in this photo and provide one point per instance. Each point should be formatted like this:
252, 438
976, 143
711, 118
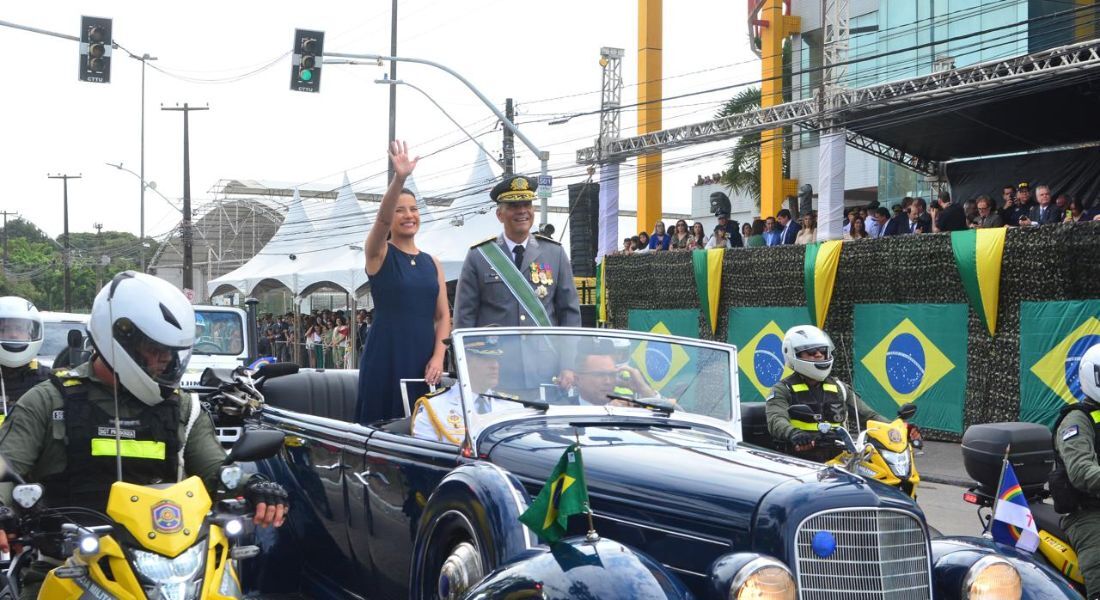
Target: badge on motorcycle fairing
167, 517
894, 435
1069, 432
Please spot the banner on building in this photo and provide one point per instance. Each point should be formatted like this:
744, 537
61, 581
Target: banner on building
912, 353
661, 362
819, 273
1053, 336
707, 265
978, 254
758, 334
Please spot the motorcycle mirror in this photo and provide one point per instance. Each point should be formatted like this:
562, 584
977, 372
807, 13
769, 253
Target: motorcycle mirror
803, 413
906, 411
255, 444
27, 495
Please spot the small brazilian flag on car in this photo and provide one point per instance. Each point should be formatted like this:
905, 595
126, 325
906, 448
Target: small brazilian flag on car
565, 494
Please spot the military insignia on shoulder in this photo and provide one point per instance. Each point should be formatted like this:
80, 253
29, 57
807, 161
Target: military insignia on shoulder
1070, 432
436, 393
547, 239
485, 241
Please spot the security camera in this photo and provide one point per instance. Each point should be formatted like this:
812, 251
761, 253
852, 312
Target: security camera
293, 257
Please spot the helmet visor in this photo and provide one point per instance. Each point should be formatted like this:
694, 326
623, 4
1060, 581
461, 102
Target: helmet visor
163, 364
813, 350
19, 331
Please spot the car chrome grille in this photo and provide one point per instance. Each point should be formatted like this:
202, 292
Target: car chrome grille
879, 554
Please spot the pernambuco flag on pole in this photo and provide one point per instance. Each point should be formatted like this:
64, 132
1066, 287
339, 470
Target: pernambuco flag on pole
564, 494
1013, 524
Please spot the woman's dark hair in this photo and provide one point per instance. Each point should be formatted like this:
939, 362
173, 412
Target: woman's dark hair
862, 228
406, 190
758, 227
642, 234
637, 242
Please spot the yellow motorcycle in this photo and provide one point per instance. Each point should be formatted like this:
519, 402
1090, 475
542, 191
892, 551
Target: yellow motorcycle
158, 542
883, 451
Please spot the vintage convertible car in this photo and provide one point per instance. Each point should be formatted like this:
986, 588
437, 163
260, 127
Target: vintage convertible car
683, 507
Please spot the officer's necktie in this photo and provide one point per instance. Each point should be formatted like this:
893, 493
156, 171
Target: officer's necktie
518, 251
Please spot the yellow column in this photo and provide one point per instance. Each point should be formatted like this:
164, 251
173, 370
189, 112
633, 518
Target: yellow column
771, 94
649, 110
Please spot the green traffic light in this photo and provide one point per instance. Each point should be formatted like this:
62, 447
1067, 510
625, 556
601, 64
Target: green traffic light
306, 75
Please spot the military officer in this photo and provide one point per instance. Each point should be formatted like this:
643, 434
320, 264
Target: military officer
516, 279
20, 340
439, 416
1075, 437
809, 353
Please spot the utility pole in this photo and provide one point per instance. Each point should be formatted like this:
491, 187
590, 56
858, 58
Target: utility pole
185, 233
393, 88
3, 264
99, 246
144, 58
65, 252
509, 139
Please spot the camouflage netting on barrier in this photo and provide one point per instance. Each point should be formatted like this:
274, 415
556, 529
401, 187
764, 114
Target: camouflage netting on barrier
1045, 263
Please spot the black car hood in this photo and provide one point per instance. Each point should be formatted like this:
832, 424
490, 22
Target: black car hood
683, 483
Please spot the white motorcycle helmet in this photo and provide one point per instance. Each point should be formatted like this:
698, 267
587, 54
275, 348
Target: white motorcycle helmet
801, 338
20, 331
1088, 373
144, 328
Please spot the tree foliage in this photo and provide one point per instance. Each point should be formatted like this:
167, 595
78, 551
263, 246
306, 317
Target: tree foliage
34, 264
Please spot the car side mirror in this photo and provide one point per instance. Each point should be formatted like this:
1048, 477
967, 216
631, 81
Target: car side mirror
906, 411
804, 413
255, 444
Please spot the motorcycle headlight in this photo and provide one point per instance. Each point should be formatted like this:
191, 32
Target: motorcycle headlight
899, 462
763, 579
172, 578
992, 577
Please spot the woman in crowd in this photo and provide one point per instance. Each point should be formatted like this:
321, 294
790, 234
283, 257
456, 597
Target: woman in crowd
720, 239
1077, 211
681, 237
755, 236
412, 317
340, 343
313, 341
746, 232
628, 245
856, 228
659, 240
643, 242
698, 236
808, 233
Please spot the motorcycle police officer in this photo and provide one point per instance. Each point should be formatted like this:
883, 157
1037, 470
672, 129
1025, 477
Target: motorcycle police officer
20, 340
808, 351
62, 433
1075, 437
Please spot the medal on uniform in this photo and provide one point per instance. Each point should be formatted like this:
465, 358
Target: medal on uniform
534, 272
546, 275
541, 291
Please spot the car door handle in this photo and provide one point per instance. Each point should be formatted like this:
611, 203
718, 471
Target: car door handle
362, 477
334, 466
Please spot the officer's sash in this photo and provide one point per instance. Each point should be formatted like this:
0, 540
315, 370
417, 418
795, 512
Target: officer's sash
517, 285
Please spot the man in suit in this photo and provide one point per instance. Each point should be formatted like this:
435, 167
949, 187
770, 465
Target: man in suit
788, 229
1043, 213
987, 217
919, 221
951, 216
899, 223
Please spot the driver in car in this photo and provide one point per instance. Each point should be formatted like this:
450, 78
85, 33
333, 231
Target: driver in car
438, 416
600, 377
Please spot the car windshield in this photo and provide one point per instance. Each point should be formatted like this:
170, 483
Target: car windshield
589, 372
218, 332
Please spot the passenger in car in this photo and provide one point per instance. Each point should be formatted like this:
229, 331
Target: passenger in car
598, 376
439, 417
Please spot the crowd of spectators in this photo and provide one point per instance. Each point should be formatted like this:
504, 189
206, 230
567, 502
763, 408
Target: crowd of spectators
323, 340
728, 233
708, 179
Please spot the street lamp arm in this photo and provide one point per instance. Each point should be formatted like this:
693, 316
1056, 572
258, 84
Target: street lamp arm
144, 183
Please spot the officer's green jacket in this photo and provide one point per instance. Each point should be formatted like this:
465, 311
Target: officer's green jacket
1075, 441
783, 394
33, 441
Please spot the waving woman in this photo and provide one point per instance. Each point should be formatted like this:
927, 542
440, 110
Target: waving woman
411, 315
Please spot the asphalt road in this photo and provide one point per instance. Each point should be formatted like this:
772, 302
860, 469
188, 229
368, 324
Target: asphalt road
945, 510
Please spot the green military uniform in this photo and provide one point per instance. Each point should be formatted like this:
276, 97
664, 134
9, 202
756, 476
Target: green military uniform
33, 437
831, 398
1075, 441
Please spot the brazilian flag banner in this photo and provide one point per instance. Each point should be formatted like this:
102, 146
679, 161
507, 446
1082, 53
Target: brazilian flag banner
912, 353
1053, 336
978, 254
660, 362
564, 494
758, 334
708, 281
819, 277
601, 293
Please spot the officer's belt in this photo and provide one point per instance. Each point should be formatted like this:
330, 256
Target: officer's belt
515, 283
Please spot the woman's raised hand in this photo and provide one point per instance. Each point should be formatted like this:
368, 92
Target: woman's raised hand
399, 154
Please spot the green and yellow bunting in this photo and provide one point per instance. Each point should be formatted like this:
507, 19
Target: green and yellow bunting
978, 254
819, 272
564, 494
708, 281
601, 293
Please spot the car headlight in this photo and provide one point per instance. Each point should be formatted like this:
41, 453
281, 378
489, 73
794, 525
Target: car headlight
763, 579
898, 461
172, 578
992, 577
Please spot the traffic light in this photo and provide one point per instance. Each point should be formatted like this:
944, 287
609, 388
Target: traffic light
95, 49
305, 73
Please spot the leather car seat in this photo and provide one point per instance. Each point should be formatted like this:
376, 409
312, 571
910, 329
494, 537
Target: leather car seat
331, 394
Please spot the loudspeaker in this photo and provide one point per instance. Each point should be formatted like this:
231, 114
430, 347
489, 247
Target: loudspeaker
584, 227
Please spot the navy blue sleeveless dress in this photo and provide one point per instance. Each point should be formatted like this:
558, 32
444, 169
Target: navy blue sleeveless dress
401, 337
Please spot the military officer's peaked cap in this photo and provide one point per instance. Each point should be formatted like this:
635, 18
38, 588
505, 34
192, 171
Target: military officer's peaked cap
515, 188
488, 345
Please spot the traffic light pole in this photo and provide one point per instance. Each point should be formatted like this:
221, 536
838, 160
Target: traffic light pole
65, 252
544, 157
185, 233
145, 58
